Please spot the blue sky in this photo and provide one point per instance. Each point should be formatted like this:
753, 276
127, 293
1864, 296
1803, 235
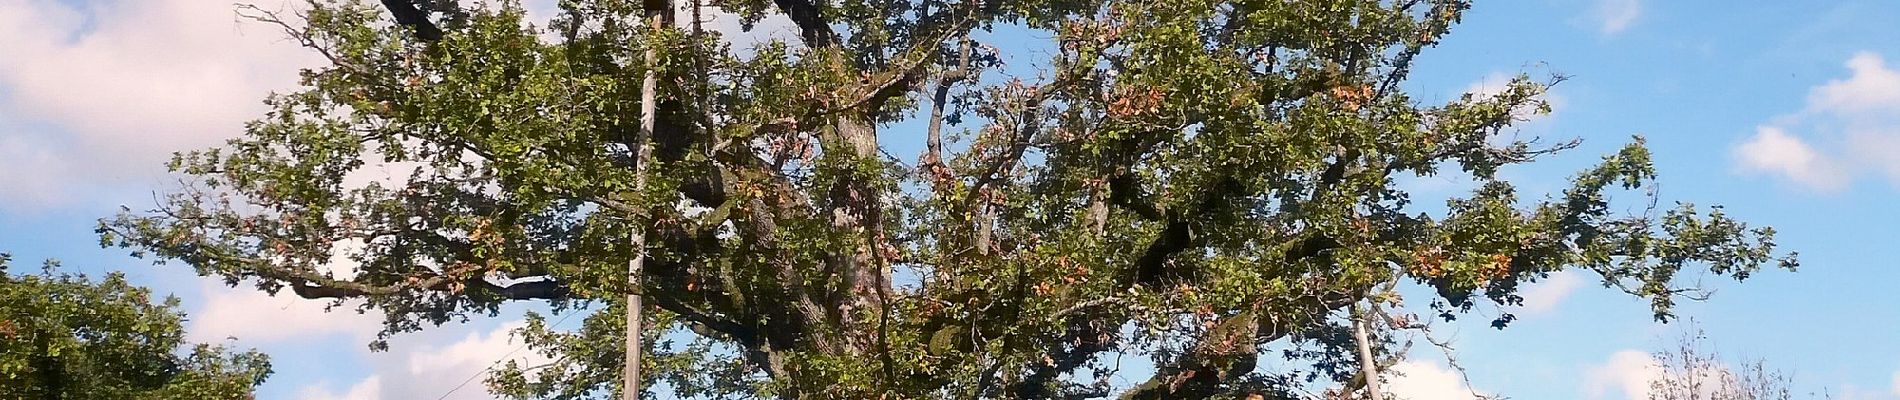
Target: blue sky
1787, 113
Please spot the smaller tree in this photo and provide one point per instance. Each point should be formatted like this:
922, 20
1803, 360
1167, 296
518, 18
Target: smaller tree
1690, 371
64, 336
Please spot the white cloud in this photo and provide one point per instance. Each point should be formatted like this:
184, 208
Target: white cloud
1497, 82
1448, 179
1628, 372
1614, 16
98, 93
417, 365
1873, 87
1414, 380
24, 165
420, 370
475, 349
540, 11
367, 389
254, 317
1529, 123
774, 26
1490, 85
1544, 296
1849, 128
1896, 383
1878, 149
1773, 151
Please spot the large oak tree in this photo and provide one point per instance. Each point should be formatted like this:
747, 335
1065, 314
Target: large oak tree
1190, 181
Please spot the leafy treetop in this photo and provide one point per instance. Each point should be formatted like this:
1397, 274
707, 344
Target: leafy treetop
1191, 181
63, 336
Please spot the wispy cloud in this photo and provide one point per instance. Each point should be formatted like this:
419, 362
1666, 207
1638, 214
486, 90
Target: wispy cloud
1872, 88
1849, 127
1613, 16
368, 389
1627, 372
1544, 296
1416, 380
1496, 82
254, 317
1896, 383
1773, 151
426, 371
96, 93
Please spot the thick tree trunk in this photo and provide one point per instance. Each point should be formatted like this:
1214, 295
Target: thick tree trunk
856, 208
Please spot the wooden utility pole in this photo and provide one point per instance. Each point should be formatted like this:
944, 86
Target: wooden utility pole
632, 374
1368, 367
656, 14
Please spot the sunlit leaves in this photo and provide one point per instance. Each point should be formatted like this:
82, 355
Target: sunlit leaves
63, 335
1188, 181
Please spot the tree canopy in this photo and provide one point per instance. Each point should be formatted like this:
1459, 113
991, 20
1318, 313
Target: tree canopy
1210, 184
64, 336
